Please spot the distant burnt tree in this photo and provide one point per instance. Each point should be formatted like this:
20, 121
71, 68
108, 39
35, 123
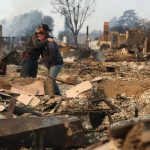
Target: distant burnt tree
75, 13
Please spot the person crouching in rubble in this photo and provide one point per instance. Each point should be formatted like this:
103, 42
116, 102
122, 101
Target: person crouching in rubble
51, 57
31, 55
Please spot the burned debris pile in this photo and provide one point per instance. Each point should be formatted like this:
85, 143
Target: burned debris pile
97, 99
104, 104
24, 100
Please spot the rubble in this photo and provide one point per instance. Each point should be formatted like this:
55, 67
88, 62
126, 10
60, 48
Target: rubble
99, 95
75, 91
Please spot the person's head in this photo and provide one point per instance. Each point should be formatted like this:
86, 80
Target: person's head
39, 30
40, 33
43, 28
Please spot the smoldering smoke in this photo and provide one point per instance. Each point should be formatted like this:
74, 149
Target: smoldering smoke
24, 24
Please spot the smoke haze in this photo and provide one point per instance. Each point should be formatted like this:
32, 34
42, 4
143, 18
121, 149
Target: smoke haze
25, 24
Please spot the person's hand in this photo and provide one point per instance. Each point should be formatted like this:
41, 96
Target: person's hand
24, 55
50, 40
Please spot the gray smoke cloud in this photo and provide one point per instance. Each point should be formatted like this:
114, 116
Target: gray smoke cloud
25, 24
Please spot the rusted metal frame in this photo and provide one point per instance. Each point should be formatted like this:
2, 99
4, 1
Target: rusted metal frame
108, 103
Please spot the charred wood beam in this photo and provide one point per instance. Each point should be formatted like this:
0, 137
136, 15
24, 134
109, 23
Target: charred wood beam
101, 96
113, 107
110, 118
11, 108
40, 132
5, 100
109, 104
13, 126
96, 116
20, 110
85, 112
136, 112
48, 86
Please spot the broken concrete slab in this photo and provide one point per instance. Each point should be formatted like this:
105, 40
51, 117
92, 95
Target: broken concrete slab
78, 89
25, 99
39, 86
29, 100
2, 108
18, 89
36, 88
34, 102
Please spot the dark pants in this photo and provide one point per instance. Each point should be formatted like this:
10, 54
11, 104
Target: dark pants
29, 68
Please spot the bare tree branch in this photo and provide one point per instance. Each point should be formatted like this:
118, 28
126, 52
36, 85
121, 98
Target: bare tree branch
75, 12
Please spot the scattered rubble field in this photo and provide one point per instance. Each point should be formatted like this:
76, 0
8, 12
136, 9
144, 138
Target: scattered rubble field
118, 87
99, 101
4, 84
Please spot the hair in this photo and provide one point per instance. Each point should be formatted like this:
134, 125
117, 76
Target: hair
45, 27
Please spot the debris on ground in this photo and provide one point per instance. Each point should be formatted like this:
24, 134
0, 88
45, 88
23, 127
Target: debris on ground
99, 101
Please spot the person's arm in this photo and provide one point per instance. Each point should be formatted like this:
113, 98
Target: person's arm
52, 53
32, 43
37, 43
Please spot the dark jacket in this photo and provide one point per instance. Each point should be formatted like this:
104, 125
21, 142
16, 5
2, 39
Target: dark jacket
34, 47
51, 55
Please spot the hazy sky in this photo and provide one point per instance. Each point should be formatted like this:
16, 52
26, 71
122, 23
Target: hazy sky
105, 10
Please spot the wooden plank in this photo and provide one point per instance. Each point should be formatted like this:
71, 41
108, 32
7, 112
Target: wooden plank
78, 89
